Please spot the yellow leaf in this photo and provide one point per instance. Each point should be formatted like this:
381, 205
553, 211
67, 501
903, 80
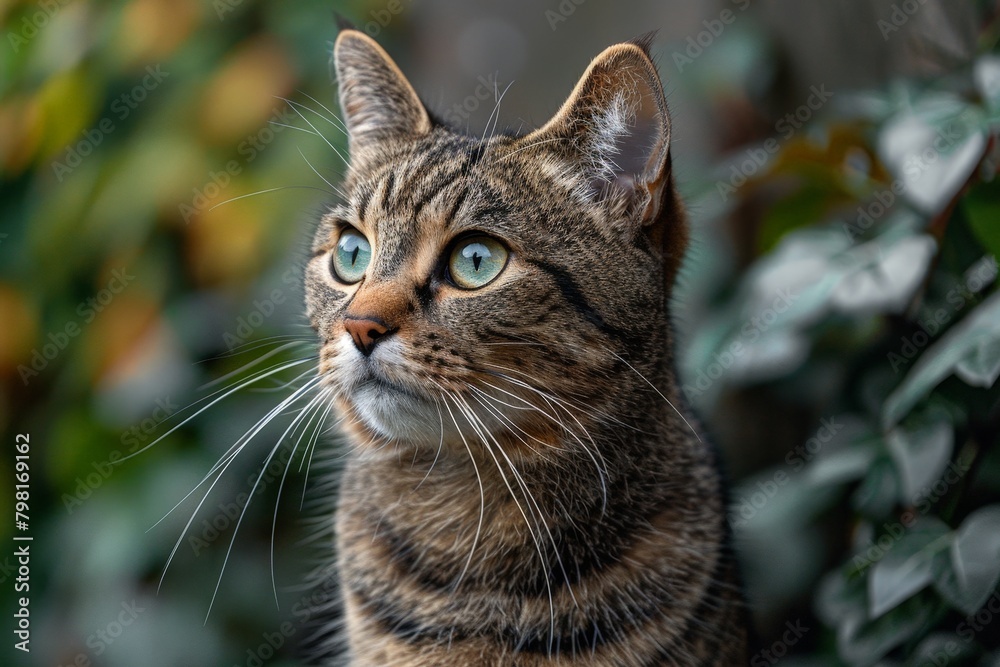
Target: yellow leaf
241, 97
18, 331
151, 30
68, 101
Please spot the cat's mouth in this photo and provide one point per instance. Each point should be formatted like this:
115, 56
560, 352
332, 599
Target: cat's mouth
374, 381
391, 408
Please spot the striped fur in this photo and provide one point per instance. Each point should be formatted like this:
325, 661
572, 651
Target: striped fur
522, 486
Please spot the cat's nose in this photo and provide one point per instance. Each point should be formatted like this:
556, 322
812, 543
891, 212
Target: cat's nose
366, 332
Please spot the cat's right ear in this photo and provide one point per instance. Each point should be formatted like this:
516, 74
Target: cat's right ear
377, 101
616, 128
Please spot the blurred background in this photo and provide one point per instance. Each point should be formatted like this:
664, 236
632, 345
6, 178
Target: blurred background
838, 318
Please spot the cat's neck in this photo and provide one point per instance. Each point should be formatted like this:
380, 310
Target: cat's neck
595, 473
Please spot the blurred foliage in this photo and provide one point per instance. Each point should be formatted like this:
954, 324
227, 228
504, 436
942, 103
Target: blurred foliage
126, 282
840, 328
869, 305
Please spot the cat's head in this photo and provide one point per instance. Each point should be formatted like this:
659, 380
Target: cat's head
502, 286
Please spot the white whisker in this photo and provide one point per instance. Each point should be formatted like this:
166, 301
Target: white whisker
313, 406
264, 192
301, 391
482, 493
228, 392
679, 414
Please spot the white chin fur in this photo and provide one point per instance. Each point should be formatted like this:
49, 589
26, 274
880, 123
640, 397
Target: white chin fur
396, 415
404, 414
390, 413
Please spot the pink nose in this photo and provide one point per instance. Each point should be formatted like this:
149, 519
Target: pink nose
366, 332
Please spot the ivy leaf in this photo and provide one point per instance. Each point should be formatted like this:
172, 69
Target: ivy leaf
986, 74
975, 556
920, 455
878, 493
933, 148
972, 338
946, 584
953, 648
843, 465
908, 567
861, 641
840, 596
982, 368
887, 273
982, 210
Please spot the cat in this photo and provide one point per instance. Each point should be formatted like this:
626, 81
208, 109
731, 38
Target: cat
522, 483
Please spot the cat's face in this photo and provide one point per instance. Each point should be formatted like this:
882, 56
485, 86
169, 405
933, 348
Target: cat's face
470, 289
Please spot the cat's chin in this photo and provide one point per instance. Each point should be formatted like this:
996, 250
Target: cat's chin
395, 412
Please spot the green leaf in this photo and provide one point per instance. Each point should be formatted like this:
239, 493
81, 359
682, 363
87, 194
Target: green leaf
944, 126
878, 493
840, 596
941, 649
978, 330
982, 368
803, 207
884, 275
975, 556
908, 567
982, 211
843, 465
861, 641
986, 74
920, 456
946, 584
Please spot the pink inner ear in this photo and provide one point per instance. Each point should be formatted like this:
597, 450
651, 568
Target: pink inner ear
625, 115
637, 148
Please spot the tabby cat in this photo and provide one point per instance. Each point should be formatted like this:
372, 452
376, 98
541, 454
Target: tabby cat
522, 486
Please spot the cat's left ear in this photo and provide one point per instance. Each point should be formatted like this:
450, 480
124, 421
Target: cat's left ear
377, 101
615, 124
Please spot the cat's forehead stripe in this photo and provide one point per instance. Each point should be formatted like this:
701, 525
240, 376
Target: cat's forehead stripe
386, 191
364, 198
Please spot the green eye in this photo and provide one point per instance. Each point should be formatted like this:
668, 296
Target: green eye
351, 256
476, 261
